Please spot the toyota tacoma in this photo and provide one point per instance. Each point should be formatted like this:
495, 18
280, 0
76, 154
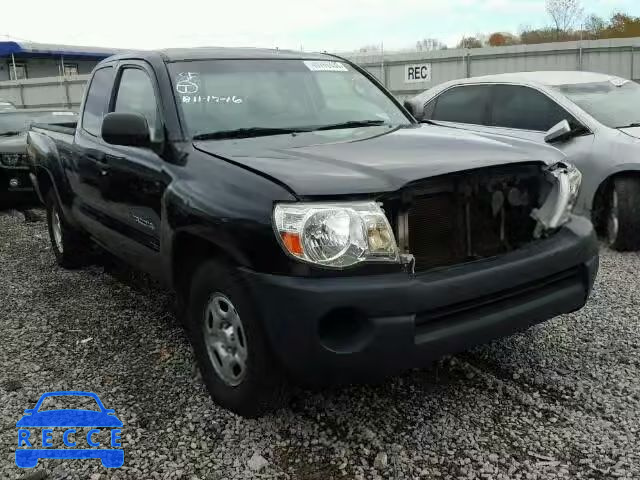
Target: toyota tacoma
312, 229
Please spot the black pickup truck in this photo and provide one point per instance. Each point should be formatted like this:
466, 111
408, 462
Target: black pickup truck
312, 229
16, 190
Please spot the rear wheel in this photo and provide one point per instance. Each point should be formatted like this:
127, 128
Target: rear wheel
623, 214
238, 368
69, 246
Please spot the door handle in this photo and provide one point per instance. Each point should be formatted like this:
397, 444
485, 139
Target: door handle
96, 157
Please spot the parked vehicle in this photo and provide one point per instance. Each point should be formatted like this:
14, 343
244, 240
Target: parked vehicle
600, 136
15, 187
312, 229
6, 105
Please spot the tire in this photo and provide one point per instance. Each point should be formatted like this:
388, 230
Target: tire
69, 246
237, 365
622, 218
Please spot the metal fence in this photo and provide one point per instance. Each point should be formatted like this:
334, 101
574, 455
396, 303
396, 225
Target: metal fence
45, 92
408, 73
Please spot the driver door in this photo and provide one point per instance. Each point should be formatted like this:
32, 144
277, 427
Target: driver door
136, 177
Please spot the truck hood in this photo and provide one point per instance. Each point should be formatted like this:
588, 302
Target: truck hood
14, 144
374, 159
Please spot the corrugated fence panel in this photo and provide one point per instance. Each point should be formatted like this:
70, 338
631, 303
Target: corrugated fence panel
614, 57
45, 92
408, 73
603, 61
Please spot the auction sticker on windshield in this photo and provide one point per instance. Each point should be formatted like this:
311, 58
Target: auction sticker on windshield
43, 432
325, 66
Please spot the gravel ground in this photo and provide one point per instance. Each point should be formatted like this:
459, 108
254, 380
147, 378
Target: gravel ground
559, 401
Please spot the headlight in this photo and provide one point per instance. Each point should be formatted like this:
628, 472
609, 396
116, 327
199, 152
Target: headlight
13, 159
565, 180
335, 235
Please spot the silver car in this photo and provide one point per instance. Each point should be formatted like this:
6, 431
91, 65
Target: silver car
593, 118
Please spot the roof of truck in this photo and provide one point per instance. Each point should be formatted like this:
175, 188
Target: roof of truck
203, 53
219, 53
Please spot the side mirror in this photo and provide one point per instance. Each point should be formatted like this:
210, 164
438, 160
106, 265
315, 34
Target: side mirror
412, 110
129, 129
558, 133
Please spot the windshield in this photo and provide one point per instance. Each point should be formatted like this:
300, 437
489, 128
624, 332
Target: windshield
612, 103
19, 121
226, 95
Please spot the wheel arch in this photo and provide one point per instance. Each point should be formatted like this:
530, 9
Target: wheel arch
598, 201
45, 183
190, 246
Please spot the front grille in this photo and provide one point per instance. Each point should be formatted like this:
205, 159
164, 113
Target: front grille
471, 217
436, 231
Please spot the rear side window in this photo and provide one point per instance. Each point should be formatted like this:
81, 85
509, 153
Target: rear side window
524, 108
136, 95
466, 104
95, 105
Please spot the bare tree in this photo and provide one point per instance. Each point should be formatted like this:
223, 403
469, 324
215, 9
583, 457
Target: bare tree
594, 26
564, 13
429, 44
469, 42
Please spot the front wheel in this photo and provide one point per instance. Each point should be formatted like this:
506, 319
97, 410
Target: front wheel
238, 368
68, 245
623, 214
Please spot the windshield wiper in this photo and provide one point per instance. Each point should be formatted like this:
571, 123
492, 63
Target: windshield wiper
631, 125
10, 133
352, 124
265, 131
247, 133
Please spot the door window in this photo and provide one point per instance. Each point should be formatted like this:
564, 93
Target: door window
466, 104
136, 95
524, 108
95, 106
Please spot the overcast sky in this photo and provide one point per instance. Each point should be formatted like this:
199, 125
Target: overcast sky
333, 25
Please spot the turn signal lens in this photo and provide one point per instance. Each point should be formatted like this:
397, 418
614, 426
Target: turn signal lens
292, 243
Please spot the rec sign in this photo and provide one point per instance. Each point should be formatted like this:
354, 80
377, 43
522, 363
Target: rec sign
417, 73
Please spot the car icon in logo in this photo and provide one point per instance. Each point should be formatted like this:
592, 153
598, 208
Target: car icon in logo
69, 419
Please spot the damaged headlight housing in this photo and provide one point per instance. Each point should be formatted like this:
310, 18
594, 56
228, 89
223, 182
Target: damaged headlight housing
565, 180
336, 235
13, 159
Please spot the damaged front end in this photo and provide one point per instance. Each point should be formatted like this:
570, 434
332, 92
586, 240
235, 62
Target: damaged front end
563, 181
481, 213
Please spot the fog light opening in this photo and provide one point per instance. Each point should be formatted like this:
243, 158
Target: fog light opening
14, 183
345, 330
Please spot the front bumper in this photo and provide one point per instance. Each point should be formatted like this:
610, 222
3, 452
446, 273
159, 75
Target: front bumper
22, 194
336, 330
